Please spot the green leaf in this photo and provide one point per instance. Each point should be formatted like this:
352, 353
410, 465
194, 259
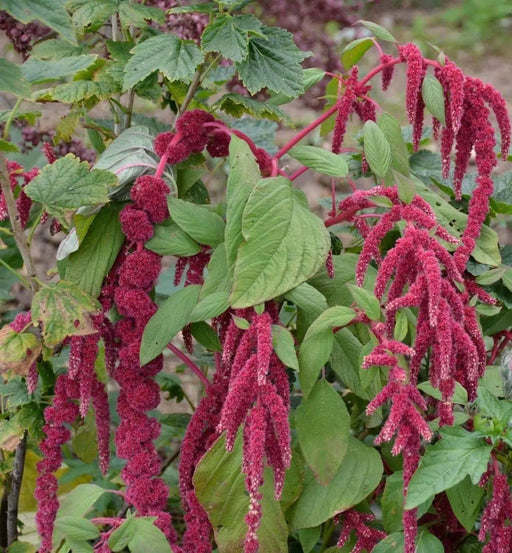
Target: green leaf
433, 96
284, 346
217, 277
291, 250
79, 500
308, 298
6, 146
88, 266
366, 301
177, 59
53, 14
317, 344
63, 310
312, 76
76, 528
39, 71
377, 30
69, 184
210, 306
273, 63
120, 537
203, 225
354, 51
206, 336
393, 133
309, 537
492, 276
137, 14
394, 543
238, 105
12, 79
171, 317
401, 326
229, 35
460, 394
79, 90
405, 186
359, 474
169, 239
376, 149
219, 486
22, 547
458, 454
129, 155
135, 534
320, 160
507, 279
324, 444
465, 500
244, 173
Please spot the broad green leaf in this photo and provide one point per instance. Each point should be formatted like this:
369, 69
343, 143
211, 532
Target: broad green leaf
377, 30
76, 528
22, 547
284, 346
229, 35
492, 276
507, 279
12, 79
433, 96
6, 146
394, 543
219, 486
312, 76
138, 15
177, 59
309, 537
359, 474
130, 155
68, 184
354, 51
171, 317
323, 443
145, 532
38, 71
292, 248
273, 63
169, 239
53, 14
465, 500
366, 301
457, 455
238, 105
393, 133
121, 536
88, 266
78, 501
460, 394
84, 441
206, 336
401, 326
93, 14
63, 309
316, 347
308, 298
217, 276
405, 186
203, 225
243, 176
320, 160
376, 149
80, 90
210, 306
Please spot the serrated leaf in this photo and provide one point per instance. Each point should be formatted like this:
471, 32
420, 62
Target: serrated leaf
273, 63
229, 35
317, 344
358, 475
376, 149
366, 301
177, 59
433, 96
171, 317
393, 133
169, 239
93, 14
320, 160
130, 155
138, 14
80, 90
291, 250
52, 14
69, 184
284, 346
458, 454
354, 51
323, 444
12, 79
377, 30
88, 266
201, 224
311, 76
206, 336
238, 105
63, 310
39, 71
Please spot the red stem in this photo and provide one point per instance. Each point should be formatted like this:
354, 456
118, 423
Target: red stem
163, 159
190, 364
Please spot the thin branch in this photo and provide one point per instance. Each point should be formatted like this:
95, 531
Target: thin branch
190, 364
194, 85
14, 493
18, 234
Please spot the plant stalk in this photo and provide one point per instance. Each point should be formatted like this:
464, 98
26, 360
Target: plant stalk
14, 493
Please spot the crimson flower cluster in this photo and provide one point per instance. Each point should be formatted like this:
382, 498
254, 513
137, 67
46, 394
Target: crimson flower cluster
18, 179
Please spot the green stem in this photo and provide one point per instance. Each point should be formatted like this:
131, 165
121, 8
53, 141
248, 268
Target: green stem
34, 227
12, 115
328, 532
15, 273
